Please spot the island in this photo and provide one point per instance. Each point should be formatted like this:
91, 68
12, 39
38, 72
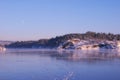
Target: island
80, 41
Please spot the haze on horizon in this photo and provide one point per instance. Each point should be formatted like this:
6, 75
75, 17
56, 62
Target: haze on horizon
35, 19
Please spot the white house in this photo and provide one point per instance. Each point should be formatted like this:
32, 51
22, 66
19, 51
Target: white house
2, 48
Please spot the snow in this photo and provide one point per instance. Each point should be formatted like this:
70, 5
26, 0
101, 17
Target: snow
89, 44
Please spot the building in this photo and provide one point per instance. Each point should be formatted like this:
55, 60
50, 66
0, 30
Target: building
2, 48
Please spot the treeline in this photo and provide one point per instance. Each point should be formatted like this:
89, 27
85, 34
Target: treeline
28, 44
55, 42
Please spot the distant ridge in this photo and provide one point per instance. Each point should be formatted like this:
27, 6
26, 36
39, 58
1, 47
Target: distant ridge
2, 42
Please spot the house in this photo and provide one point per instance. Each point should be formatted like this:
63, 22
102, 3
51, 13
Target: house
2, 48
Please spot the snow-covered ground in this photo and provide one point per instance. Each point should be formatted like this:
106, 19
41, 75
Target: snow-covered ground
89, 44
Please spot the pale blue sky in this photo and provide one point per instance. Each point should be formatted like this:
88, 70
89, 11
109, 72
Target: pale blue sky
35, 19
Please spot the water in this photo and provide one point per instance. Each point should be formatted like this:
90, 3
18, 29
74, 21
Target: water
38, 64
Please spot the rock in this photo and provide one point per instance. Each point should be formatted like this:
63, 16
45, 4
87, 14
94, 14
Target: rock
89, 44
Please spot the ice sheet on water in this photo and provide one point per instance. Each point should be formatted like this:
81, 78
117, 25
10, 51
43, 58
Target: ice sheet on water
74, 55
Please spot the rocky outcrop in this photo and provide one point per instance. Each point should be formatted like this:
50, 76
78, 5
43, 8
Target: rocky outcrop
89, 44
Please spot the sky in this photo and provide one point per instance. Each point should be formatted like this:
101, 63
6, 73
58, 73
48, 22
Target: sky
37, 19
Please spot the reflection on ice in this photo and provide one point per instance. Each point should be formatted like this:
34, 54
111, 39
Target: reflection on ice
90, 55
73, 55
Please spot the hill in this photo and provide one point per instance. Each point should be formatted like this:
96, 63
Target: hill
3, 43
57, 41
